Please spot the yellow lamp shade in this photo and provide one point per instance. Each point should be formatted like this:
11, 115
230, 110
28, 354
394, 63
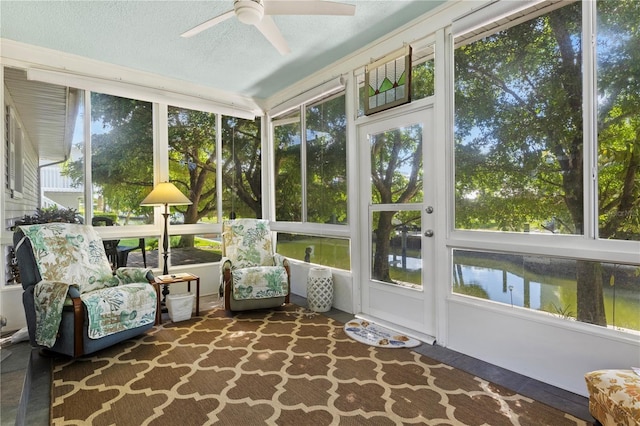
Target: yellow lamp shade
165, 193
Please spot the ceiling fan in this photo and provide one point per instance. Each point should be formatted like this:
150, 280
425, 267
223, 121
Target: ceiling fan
257, 13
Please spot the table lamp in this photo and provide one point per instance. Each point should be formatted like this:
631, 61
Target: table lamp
165, 193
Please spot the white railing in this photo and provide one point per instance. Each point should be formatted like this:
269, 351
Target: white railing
48, 202
52, 180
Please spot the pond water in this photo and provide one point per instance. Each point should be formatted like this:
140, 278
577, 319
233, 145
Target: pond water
555, 295
550, 292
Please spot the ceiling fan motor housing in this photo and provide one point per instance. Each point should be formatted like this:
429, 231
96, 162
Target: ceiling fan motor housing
249, 12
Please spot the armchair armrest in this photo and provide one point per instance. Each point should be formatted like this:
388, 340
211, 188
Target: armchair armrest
280, 260
74, 292
134, 275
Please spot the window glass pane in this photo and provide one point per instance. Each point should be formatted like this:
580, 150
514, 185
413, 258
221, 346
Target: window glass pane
288, 186
63, 184
325, 251
361, 94
184, 249
396, 165
553, 285
192, 164
241, 168
121, 158
188, 249
396, 247
422, 74
327, 161
519, 127
618, 119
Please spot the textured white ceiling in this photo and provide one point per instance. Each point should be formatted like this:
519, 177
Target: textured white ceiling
145, 36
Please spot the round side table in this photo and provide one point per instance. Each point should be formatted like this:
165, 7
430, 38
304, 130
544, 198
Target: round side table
320, 289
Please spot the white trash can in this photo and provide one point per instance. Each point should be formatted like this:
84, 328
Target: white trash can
320, 289
180, 306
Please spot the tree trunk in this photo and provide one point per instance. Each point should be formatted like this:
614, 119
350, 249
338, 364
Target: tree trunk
381, 256
590, 293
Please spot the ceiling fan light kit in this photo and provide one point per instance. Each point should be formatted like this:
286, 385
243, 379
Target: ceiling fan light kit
256, 13
249, 12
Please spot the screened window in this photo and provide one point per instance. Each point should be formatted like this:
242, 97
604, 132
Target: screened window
521, 159
288, 163
192, 163
326, 161
326, 251
518, 128
121, 158
550, 284
311, 163
63, 183
618, 120
241, 168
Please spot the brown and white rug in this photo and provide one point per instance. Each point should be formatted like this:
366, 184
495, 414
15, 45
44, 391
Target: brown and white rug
280, 367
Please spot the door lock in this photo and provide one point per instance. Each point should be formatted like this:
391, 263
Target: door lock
429, 209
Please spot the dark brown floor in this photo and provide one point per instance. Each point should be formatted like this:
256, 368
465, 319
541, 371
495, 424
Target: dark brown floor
25, 379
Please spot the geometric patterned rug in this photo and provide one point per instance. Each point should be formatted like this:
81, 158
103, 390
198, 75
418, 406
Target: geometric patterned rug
286, 366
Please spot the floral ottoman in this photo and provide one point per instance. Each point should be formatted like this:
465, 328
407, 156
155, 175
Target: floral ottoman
614, 396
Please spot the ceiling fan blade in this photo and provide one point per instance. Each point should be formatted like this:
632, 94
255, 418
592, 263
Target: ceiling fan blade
307, 7
269, 29
207, 24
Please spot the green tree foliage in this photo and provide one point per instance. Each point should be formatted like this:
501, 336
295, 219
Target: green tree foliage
122, 158
396, 178
618, 119
121, 152
520, 131
326, 168
327, 161
288, 166
192, 162
242, 167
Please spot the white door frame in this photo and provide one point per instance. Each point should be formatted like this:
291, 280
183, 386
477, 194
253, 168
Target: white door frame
409, 310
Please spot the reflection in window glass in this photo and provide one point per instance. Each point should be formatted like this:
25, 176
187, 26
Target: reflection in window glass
192, 163
519, 127
325, 251
551, 285
121, 158
396, 242
241, 168
326, 144
618, 122
288, 185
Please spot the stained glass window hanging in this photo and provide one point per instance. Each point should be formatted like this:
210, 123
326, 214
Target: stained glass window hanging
388, 81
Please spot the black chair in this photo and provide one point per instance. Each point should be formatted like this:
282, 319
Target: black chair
123, 253
118, 254
110, 246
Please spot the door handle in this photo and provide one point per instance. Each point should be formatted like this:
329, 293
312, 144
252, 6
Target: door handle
428, 233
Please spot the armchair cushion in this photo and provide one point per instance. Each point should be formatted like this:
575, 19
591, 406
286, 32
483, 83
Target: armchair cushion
114, 309
71, 261
248, 243
260, 282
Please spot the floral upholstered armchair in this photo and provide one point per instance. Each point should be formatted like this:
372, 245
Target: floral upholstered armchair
74, 303
252, 275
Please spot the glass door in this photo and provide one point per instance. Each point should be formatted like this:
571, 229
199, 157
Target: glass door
397, 264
